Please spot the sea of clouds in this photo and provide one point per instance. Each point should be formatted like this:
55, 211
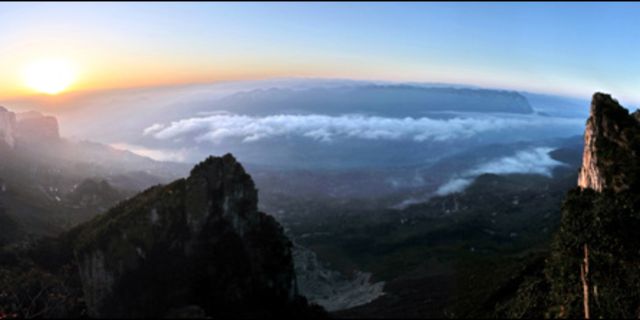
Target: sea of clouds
324, 128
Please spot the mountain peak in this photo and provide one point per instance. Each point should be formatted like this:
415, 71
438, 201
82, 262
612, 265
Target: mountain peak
612, 144
197, 241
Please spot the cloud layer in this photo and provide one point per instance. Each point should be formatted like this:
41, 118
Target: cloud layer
454, 185
155, 154
217, 128
533, 161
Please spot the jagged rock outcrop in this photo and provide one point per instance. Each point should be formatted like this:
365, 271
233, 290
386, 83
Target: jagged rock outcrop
7, 127
612, 145
197, 243
34, 126
29, 127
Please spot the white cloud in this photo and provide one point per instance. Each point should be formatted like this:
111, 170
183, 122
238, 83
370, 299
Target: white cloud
155, 154
217, 128
154, 128
453, 186
536, 161
532, 161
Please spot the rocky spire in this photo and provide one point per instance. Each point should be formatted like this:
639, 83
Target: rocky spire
612, 144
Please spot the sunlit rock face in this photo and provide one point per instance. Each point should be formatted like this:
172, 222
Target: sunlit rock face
599, 223
590, 176
612, 147
7, 127
197, 243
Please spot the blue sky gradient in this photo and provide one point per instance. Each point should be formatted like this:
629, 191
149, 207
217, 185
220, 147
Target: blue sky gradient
564, 48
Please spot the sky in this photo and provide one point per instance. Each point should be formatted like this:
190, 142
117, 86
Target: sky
570, 49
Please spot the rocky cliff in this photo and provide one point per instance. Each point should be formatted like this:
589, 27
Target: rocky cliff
197, 244
27, 127
593, 268
7, 127
34, 126
612, 145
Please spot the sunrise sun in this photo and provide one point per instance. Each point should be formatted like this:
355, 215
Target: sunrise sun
49, 76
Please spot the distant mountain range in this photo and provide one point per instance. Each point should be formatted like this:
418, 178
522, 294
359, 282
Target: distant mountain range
91, 115
381, 100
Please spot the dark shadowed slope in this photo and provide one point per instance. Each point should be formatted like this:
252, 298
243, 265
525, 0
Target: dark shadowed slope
196, 246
